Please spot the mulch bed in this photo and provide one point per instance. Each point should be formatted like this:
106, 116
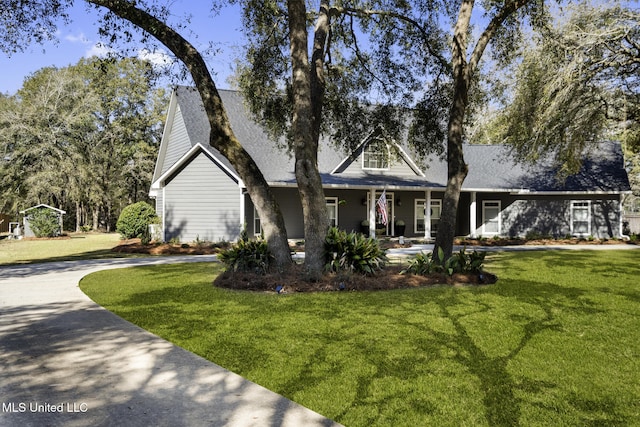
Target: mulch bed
388, 278
538, 242
133, 246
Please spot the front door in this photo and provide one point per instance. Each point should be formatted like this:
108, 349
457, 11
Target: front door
381, 228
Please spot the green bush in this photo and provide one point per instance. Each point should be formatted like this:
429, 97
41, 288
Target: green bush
352, 252
135, 219
249, 256
44, 222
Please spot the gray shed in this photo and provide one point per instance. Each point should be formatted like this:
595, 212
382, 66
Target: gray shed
27, 231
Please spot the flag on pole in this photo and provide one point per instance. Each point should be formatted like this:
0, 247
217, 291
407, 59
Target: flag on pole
381, 205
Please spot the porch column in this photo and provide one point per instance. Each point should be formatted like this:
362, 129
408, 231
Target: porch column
372, 212
243, 221
427, 215
473, 215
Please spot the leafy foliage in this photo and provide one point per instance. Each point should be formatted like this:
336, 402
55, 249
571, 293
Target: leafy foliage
461, 262
44, 222
352, 252
247, 256
83, 137
135, 219
576, 85
423, 264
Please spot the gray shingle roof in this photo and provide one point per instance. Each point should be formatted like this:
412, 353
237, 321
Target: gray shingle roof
490, 167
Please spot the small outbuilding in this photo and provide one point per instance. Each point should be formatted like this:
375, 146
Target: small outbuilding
27, 229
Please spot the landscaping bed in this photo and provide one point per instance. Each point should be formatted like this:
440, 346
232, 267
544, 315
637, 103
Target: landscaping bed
542, 241
134, 246
388, 278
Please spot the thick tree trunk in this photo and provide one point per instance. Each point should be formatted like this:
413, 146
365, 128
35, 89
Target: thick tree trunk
305, 138
462, 73
456, 168
457, 171
221, 137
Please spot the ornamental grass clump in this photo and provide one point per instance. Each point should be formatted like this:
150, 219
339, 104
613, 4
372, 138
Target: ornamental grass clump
352, 252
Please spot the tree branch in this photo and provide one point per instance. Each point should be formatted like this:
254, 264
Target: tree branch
350, 11
507, 10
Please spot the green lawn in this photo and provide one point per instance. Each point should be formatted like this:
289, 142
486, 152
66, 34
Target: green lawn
79, 246
555, 342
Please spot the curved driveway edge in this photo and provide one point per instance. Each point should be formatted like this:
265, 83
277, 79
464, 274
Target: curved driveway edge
67, 361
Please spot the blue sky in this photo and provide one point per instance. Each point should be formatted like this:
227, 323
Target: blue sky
80, 39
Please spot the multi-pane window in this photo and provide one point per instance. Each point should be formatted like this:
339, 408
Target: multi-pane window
436, 209
580, 218
257, 227
491, 217
332, 211
375, 155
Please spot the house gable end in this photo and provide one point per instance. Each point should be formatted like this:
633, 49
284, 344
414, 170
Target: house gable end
399, 162
186, 159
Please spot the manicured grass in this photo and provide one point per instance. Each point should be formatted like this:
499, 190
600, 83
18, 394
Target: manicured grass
79, 246
555, 342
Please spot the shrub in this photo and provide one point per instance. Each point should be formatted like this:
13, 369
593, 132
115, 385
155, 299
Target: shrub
461, 262
352, 252
423, 265
44, 222
248, 256
135, 219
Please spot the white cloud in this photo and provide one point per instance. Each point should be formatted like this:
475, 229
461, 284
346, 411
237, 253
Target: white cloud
158, 58
99, 50
79, 38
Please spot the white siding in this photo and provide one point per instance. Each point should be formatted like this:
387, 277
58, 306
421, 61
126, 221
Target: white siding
159, 204
201, 202
178, 142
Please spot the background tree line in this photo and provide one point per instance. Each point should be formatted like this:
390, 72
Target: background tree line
81, 138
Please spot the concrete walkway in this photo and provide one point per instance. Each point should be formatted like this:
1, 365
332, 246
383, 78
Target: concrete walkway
65, 361
415, 249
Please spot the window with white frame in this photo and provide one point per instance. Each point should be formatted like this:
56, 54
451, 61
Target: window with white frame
332, 210
376, 155
491, 224
580, 218
436, 209
257, 227
418, 225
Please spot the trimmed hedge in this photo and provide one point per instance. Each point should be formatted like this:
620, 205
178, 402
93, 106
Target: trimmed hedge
135, 219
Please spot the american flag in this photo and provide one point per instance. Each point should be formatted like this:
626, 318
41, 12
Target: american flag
381, 205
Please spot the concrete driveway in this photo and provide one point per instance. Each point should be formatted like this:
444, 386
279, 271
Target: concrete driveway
65, 361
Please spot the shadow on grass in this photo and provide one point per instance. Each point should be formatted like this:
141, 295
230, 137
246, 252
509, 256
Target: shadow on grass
96, 254
398, 357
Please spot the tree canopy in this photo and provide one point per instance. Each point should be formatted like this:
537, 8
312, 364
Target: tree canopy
575, 86
82, 138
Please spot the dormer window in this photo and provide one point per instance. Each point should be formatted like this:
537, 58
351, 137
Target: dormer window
376, 155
